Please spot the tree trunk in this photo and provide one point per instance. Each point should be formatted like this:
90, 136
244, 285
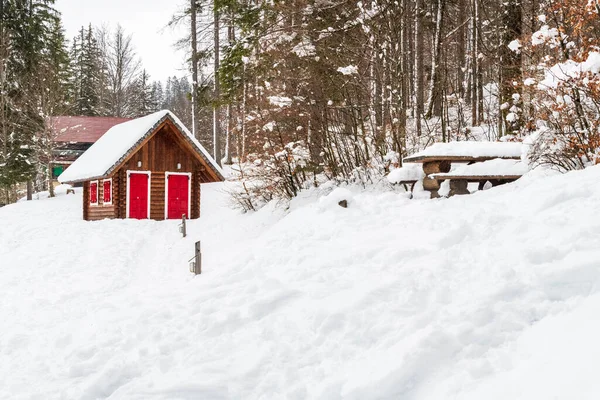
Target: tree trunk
474, 63
242, 137
3, 111
217, 94
50, 183
434, 83
418, 69
510, 62
29, 190
194, 60
461, 50
499, 111
230, 123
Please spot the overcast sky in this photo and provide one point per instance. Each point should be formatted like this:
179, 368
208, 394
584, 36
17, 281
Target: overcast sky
144, 19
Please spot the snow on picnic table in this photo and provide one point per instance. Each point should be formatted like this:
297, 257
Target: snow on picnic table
489, 296
471, 149
406, 173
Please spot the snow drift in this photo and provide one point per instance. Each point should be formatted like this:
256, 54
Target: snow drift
489, 296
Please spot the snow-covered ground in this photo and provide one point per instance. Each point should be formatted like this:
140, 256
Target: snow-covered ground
495, 295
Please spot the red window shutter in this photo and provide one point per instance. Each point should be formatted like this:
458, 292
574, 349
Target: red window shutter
107, 197
94, 192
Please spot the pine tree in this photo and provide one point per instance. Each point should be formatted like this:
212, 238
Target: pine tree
140, 95
27, 33
86, 58
56, 77
156, 96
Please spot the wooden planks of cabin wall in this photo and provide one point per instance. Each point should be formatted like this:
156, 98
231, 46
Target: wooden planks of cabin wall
121, 177
116, 186
157, 196
195, 207
86, 200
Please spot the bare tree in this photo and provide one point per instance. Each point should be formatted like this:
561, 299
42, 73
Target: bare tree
123, 67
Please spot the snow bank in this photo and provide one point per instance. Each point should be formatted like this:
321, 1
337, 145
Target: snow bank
59, 190
472, 149
491, 296
335, 197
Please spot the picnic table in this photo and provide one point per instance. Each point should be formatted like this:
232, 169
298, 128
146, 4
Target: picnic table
438, 159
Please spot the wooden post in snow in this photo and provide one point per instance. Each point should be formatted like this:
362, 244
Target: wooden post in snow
198, 261
183, 229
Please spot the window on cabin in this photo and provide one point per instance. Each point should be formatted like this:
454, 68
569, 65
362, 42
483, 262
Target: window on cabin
94, 193
107, 192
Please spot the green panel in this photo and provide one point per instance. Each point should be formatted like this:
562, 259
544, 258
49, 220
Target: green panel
57, 170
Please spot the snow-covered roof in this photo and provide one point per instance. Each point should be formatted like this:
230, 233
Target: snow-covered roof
120, 141
495, 167
469, 150
81, 129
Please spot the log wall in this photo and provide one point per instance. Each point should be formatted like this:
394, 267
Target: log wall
100, 211
157, 195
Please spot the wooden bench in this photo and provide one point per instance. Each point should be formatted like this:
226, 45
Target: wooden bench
437, 161
459, 183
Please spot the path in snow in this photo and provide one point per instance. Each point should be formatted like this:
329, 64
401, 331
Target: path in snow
471, 297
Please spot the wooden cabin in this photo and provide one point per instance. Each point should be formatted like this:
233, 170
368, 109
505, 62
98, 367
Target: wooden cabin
146, 168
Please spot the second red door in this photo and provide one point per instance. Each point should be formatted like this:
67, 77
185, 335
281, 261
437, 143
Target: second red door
178, 196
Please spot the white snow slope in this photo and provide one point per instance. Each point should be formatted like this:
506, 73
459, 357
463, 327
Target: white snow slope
495, 295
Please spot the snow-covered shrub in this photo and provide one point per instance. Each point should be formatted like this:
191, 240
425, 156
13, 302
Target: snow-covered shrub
565, 85
278, 174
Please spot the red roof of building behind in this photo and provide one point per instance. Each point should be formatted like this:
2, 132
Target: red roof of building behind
82, 129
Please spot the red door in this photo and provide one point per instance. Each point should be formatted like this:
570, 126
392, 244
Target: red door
178, 196
138, 195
